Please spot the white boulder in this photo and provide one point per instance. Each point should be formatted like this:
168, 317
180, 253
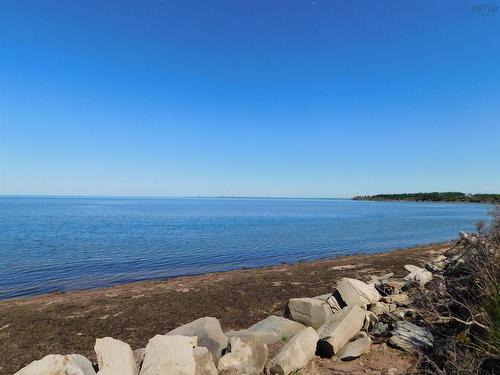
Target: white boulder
209, 334
114, 357
245, 356
357, 346
172, 355
295, 354
357, 292
56, 364
311, 312
270, 330
339, 329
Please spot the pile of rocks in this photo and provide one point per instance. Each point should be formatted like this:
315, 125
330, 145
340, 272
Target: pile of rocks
341, 325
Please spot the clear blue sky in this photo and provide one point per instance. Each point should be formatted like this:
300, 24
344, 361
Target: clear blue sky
255, 98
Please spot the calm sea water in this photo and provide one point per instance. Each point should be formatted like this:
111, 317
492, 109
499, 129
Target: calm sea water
60, 244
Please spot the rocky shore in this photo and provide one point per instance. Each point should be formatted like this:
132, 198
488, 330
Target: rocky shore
339, 308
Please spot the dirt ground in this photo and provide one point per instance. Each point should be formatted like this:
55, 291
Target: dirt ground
70, 322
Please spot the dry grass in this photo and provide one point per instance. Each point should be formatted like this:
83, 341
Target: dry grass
462, 306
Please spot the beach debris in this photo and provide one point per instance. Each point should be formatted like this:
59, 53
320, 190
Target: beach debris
204, 362
339, 329
357, 292
355, 347
420, 276
437, 265
244, 355
209, 334
370, 320
55, 364
405, 313
296, 353
270, 330
169, 354
400, 299
409, 337
378, 308
114, 357
311, 312
374, 280
380, 329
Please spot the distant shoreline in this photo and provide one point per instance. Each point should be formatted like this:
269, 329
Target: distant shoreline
447, 197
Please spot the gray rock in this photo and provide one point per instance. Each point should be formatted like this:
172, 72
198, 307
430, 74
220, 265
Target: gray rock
270, 330
356, 292
56, 364
114, 357
311, 312
408, 336
204, 362
169, 354
357, 346
339, 329
246, 356
295, 354
209, 334
380, 329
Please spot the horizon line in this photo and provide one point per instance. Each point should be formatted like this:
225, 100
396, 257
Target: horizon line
165, 196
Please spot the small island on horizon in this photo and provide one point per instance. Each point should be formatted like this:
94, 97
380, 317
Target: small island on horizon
432, 197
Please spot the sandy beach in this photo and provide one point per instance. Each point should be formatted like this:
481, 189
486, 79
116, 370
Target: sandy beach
31, 328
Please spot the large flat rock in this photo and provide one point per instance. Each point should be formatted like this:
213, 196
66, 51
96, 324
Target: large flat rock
114, 357
311, 312
270, 330
172, 355
357, 292
56, 364
295, 354
209, 334
338, 330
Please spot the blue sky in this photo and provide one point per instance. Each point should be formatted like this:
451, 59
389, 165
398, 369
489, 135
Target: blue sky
248, 98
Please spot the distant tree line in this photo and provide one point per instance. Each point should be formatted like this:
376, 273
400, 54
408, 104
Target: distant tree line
434, 197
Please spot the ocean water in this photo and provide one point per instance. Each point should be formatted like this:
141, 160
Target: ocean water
61, 244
